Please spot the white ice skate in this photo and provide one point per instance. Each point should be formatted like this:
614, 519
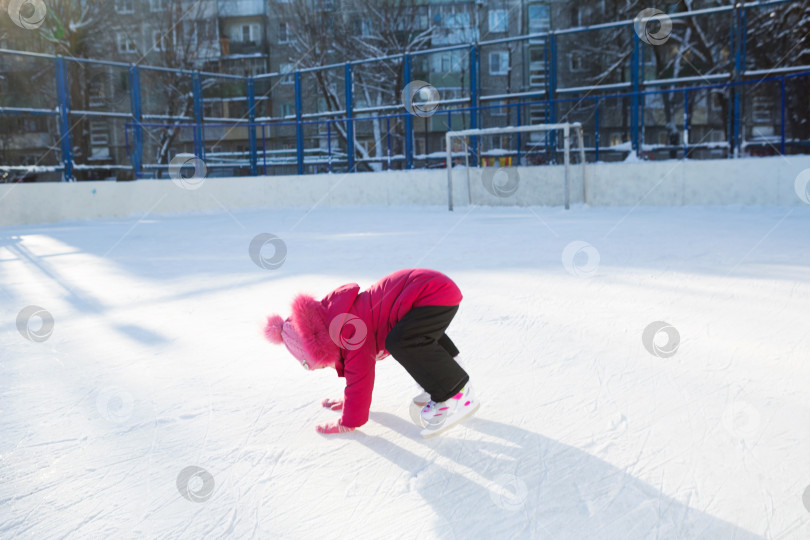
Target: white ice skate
439, 417
416, 407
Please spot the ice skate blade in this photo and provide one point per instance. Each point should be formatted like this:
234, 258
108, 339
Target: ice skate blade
429, 433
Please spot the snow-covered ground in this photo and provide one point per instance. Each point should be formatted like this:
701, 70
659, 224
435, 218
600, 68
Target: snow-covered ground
156, 379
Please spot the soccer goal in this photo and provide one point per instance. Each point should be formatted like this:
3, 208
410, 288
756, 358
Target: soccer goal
566, 128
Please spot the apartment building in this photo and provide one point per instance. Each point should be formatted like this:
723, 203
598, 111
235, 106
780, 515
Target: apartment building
252, 37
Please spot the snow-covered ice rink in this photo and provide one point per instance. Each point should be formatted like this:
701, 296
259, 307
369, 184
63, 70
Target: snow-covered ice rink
156, 379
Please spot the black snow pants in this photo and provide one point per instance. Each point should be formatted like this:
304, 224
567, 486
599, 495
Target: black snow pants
419, 343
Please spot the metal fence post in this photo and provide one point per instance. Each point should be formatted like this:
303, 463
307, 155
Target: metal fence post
347, 79
474, 65
685, 124
642, 101
518, 123
783, 114
596, 134
552, 94
739, 67
251, 95
199, 141
406, 78
634, 99
137, 118
66, 139
299, 127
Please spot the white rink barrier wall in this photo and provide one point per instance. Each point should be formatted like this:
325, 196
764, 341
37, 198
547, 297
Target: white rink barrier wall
751, 181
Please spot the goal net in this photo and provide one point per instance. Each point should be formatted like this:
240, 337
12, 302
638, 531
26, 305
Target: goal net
565, 128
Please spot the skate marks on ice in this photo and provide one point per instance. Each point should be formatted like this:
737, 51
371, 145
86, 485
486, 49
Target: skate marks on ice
512, 483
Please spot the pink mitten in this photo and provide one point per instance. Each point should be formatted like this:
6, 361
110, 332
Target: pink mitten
333, 427
334, 404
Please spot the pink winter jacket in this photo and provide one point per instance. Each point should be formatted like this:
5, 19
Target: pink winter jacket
360, 322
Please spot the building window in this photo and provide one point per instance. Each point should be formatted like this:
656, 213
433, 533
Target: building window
124, 6
287, 109
499, 63
283, 33
125, 45
616, 139
448, 62
286, 68
160, 41
575, 62
762, 110
246, 33
448, 17
500, 111
576, 16
157, 5
498, 20
539, 20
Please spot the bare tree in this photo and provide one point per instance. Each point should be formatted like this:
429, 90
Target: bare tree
778, 38
370, 29
181, 35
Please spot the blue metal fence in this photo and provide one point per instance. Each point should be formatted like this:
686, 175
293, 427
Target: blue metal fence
254, 160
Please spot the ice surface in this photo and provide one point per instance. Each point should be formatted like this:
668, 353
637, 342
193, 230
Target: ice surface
156, 364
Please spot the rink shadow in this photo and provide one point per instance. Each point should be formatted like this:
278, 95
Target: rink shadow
78, 295
513, 483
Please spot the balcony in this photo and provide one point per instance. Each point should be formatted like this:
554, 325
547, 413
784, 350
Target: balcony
230, 48
241, 8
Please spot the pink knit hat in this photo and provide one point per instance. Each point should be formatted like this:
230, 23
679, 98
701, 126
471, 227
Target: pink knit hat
304, 333
280, 331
